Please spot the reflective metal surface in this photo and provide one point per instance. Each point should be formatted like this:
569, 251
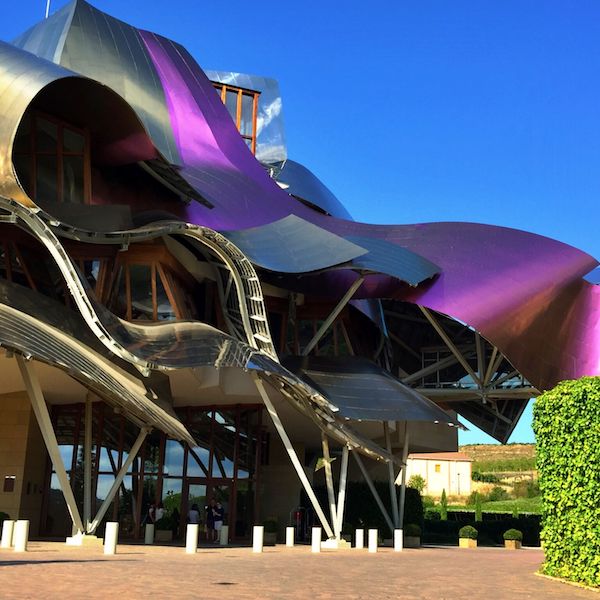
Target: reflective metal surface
363, 391
293, 245
103, 48
304, 184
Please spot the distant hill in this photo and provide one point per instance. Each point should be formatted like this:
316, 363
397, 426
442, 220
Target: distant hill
501, 458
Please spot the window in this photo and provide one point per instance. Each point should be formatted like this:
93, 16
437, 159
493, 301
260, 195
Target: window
243, 107
438, 468
51, 159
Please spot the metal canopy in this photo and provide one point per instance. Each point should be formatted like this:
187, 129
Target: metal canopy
293, 245
363, 391
391, 259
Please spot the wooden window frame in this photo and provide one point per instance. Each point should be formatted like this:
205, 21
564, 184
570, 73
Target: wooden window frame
33, 153
222, 89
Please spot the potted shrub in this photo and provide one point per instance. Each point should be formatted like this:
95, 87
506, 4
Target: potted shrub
412, 536
467, 537
270, 534
512, 539
163, 529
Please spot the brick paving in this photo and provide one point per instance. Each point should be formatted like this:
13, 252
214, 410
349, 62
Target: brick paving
53, 570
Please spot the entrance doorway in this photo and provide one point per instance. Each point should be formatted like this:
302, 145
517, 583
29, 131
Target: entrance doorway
201, 491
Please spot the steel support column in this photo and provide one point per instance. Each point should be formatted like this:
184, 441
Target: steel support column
38, 404
87, 463
392, 477
369, 481
403, 478
119, 479
260, 386
329, 478
342, 493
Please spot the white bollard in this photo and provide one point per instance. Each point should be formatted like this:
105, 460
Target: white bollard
372, 540
398, 540
289, 537
191, 538
7, 533
359, 539
20, 536
149, 533
316, 540
111, 535
258, 532
224, 535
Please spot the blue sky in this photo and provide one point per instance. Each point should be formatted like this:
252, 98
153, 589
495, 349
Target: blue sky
417, 111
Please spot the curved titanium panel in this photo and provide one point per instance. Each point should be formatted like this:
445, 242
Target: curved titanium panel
363, 391
293, 245
103, 48
40, 328
303, 183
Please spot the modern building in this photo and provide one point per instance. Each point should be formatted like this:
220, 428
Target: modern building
442, 471
186, 312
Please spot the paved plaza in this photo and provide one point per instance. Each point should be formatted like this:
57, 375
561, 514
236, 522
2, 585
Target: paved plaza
52, 570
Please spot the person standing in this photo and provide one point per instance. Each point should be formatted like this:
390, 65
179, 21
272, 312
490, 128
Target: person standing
194, 515
219, 516
210, 520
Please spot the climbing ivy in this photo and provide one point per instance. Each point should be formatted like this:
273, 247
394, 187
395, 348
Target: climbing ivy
566, 422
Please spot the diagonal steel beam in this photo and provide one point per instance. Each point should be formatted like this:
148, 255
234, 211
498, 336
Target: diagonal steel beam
333, 315
461, 359
328, 477
40, 409
391, 476
260, 386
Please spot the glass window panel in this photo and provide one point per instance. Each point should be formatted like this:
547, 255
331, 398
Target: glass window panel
173, 458
23, 138
58, 522
231, 101
248, 143
102, 488
126, 510
165, 311
244, 518
72, 179
118, 300
152, 454
171, 499
247, 121
46, 178
73, 141
223, 444
148, 495
194, 468
105, 463
46, 136
141, 292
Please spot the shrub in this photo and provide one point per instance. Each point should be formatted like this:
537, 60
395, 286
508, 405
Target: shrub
468, 532
271, 525
567, 428
432, 514
472, 499
497, 493
526, 489
478, 508
416, 482
412, 530
513, 534
485, 477
444, 506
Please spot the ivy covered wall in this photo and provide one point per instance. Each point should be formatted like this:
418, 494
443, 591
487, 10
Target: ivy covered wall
566, 422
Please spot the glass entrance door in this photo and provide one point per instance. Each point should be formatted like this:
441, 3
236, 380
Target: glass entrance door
200, 492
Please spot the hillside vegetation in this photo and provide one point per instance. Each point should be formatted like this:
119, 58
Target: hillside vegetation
491, 458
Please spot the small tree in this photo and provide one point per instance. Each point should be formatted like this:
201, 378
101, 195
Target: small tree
444, 506
478, 508
416, 482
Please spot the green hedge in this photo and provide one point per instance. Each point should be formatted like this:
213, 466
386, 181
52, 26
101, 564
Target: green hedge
362, 511
566, 422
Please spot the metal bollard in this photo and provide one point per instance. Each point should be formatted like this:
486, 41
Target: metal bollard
258, 532
191, 538
289, 537
372, 540
7, 533
398, 540
149, 533
111, 535
359, 539
316, 540
20, 536
224, 535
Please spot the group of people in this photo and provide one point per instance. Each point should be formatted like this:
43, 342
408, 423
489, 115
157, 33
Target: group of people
214, 516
